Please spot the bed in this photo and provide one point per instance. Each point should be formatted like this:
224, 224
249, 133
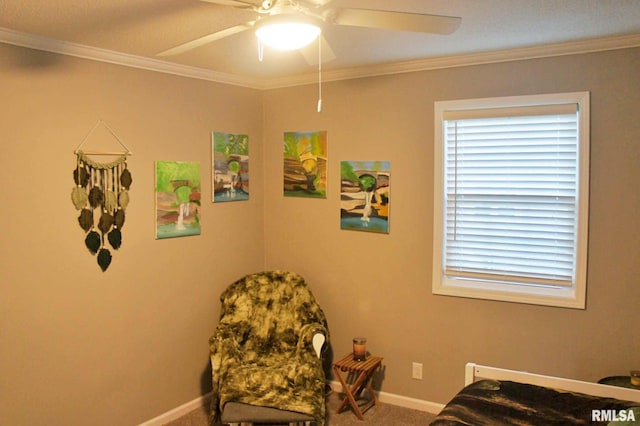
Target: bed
496, 396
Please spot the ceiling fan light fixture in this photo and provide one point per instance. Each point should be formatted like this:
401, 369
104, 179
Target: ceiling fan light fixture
288, 32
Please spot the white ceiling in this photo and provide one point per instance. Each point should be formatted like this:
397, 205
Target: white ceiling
144, 28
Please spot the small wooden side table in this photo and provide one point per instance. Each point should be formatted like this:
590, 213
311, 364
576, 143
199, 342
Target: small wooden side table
364, 370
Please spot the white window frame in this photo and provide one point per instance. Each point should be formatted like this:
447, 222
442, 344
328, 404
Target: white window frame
573, 296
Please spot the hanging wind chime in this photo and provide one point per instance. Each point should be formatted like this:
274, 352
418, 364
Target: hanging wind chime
101, 195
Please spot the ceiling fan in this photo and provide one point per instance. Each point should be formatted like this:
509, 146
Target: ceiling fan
317, 14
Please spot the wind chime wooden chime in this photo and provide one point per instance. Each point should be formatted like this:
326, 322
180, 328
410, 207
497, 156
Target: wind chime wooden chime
101, 195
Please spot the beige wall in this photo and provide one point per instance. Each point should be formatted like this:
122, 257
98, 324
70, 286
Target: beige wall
78, 346
82, 347
379, 286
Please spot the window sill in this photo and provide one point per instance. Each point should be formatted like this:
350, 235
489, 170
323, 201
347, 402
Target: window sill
528, 294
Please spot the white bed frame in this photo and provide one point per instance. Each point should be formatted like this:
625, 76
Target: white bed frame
475, 372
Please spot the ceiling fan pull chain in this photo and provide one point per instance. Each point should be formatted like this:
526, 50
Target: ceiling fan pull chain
319, 74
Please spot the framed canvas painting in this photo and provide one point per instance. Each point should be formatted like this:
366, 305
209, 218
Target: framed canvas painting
230, 163
177, 199
305, 164
364, 195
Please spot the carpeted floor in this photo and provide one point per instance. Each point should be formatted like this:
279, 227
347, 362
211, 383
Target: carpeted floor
383, 415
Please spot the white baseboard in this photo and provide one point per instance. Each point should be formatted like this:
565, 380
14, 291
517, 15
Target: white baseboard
178, 412
387, 398
400, 400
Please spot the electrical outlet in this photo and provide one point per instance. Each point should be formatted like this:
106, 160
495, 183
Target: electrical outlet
416, 372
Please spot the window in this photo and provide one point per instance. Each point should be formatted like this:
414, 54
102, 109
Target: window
511, 198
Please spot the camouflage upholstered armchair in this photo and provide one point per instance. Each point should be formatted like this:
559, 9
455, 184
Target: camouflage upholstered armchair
262, 352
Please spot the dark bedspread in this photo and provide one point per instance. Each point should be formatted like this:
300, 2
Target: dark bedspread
491, 402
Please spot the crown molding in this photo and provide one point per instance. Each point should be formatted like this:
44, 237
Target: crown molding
463, 60
103, 55
47, 44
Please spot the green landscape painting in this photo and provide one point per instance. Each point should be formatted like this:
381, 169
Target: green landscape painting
364, 195
178, 199
230, 162
305, 164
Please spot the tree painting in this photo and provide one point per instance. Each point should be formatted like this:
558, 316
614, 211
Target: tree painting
305, 164
364, 195
230, 162
177, 199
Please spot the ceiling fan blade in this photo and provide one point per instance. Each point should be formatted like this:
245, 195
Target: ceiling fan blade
399, 21
206, 39
232, 3
310, 52
319, 3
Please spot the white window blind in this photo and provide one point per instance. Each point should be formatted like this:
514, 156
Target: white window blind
511, 180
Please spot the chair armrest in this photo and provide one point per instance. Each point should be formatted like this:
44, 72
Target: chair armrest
312, 338
225, 341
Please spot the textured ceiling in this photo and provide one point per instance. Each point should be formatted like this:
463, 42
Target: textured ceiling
147, 27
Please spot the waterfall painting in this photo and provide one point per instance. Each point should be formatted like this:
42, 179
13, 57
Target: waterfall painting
230, 163
364, 195
177, 199
305, 164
